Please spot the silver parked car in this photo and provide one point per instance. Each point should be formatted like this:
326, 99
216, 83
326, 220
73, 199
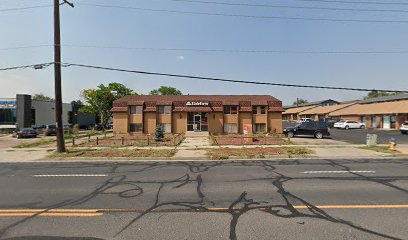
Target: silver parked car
404, 128
349, 124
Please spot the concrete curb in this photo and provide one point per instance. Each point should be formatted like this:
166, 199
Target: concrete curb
135, 160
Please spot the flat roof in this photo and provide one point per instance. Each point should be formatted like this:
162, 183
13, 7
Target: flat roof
223, 98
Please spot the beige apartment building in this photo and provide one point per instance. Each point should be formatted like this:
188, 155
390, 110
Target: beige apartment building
217, 114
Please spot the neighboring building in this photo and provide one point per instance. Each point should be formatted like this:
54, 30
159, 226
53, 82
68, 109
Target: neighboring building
327, 102
387, 115
216, 114
293, 114
84, 120
322, 113
22, 111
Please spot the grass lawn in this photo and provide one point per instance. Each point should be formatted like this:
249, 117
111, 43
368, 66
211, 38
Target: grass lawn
383, 149
110, 153
225, 153
37, 143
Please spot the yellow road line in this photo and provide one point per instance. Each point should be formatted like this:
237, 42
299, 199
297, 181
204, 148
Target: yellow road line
51, 214
100, 212
49, 210
353, 206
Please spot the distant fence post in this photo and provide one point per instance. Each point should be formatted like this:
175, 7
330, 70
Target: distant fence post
73, 141
89, 137
123, 140
97, 141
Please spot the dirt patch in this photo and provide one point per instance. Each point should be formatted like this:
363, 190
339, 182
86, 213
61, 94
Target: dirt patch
259, 152
252, 140
138, 141
109, 153
32, 144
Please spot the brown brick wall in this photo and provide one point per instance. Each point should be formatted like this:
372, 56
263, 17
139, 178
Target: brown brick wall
149, 123
120, 123
215, 122
246, 118
275, 122
179, 122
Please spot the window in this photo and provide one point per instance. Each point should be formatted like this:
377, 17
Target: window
230, 128
259, 110
165, 110
136, 127
136, 109
230, 110
166, 127
259, 128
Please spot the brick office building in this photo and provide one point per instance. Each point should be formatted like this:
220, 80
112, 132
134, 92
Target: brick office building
216, 114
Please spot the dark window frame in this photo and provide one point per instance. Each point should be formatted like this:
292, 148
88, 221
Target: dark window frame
165, 110
138, 129
136, 110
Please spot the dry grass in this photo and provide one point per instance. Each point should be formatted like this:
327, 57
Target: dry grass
110, 153
259, 152
382, 149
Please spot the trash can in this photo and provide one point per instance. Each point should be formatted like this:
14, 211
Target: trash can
371, 140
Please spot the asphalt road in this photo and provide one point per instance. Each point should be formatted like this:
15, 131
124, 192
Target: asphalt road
287, 199
358, 136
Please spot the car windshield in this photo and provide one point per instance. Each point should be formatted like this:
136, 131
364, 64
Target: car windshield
26, 129
52, 126
341, 121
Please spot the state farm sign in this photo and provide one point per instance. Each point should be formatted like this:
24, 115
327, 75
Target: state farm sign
197, 104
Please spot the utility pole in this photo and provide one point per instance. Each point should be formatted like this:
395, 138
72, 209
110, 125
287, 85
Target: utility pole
57, 79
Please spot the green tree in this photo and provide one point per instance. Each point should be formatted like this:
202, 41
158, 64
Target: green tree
374, 94
42, 97
99, 101
159, 136
77, 103
300, 101
165, 90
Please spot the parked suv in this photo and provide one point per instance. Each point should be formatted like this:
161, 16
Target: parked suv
312, 128
50, 130
404, 128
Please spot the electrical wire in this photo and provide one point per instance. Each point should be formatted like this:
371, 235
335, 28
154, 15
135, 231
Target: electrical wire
238, 51
35, 66
243, 16
228, 80
24, 8
356, 2
293, 7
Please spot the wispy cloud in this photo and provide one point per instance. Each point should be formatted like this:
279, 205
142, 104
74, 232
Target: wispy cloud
180, 57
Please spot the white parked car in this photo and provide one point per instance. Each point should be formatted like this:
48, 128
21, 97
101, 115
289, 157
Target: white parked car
349, 125
404, 128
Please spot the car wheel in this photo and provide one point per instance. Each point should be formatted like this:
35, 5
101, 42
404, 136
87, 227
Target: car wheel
362, 127
319, 135
290, 134
346, 127
18, 136
403, 132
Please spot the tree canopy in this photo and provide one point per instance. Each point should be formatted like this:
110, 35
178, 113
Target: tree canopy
165, 90
42, 97
99, 101
374, 94
300, 101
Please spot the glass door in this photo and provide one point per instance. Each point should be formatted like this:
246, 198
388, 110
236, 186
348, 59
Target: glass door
197, 122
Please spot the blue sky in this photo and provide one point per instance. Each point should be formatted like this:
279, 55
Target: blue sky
96, 26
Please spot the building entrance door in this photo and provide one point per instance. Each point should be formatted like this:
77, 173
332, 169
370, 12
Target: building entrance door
197, 122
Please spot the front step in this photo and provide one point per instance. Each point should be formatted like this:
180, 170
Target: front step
197, 134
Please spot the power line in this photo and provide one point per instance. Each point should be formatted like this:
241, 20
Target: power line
237, 50
356, 2
26, 47
244, 16
34, 66
250, 51
292, 7
24, 8
228, 80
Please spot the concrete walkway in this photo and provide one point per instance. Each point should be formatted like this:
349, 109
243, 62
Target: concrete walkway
187, 149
